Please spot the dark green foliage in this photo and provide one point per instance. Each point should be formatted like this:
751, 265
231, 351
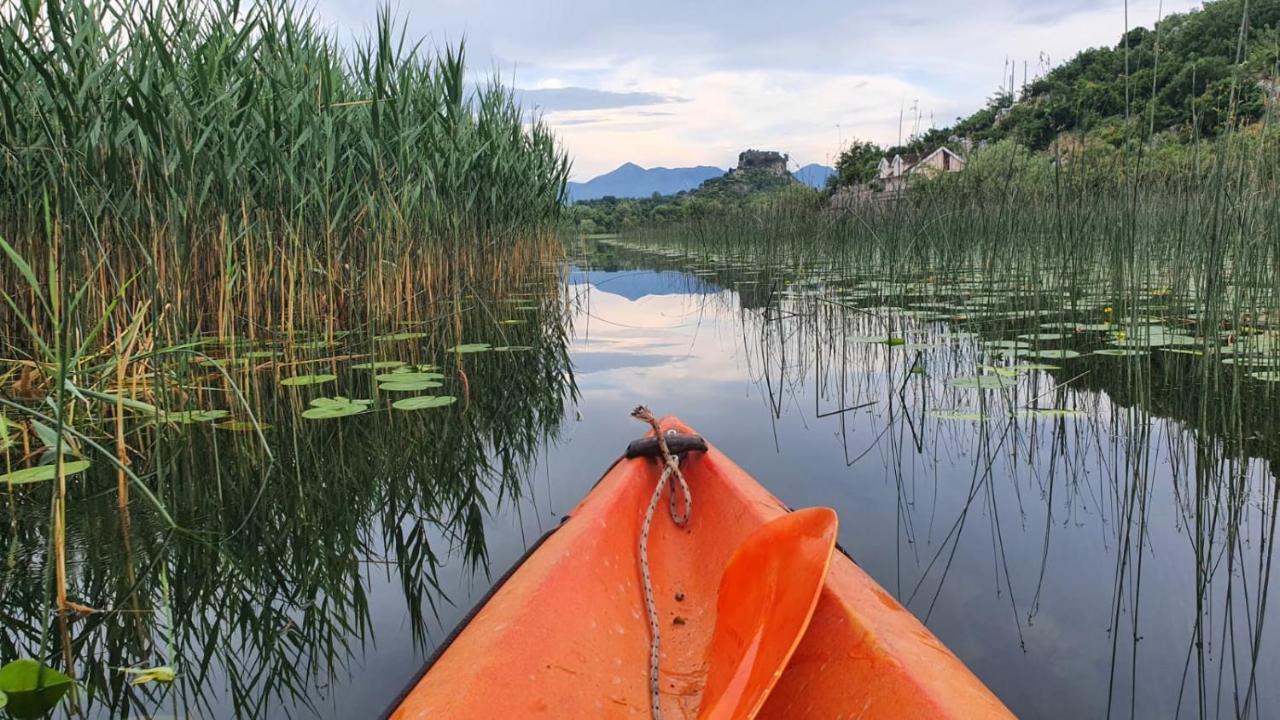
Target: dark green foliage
858, 164
1191, 74
730, 192
1194, 74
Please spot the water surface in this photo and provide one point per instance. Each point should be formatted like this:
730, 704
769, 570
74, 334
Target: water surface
1091, 535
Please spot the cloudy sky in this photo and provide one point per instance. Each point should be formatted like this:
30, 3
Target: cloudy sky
692, 82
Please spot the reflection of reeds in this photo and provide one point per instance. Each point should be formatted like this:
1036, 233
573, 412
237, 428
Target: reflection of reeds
1169, 457
268, 573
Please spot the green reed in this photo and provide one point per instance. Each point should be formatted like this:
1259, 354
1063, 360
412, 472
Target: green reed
250, 166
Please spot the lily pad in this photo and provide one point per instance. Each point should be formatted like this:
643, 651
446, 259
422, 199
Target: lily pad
424, 402
396, 337
32, 689
1028, 367
471, 348
335, 407
40, 473
1060, 354
1051, 412
378, 365
312, 345
408, 376
191, 417
1006, 346
409, 385
1120, 352
958, 415
1268, 376
513, 348
1043, 337
1252, 361
298, 380
982, 382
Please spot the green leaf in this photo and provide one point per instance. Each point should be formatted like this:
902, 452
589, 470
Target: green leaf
297, 380
408, 376
40, 473
402, 336
424, 402
1061, 354
471, 348
378, 365
409, 385
190, 417
31, 688
1269, 376
335, 407
513, 348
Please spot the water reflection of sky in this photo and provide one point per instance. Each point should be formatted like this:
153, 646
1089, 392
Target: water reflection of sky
1008, 538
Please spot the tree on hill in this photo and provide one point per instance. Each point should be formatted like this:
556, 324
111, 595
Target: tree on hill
858, 164
1194, 75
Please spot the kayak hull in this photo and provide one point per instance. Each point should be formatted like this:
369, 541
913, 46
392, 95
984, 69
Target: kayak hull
566, 634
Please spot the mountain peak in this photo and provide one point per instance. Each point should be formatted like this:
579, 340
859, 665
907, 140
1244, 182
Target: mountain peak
629, 180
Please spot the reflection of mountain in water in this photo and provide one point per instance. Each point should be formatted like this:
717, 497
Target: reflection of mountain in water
636, 284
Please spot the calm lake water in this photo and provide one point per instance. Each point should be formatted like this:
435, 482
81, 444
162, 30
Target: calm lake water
1089, 534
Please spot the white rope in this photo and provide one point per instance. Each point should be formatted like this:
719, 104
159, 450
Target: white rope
671, 466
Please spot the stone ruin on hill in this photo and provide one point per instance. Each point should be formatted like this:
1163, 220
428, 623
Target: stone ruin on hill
774, 163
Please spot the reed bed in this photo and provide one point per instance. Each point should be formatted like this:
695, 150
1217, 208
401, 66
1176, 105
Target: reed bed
239, 167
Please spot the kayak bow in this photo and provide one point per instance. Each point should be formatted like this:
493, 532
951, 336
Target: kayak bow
565, 634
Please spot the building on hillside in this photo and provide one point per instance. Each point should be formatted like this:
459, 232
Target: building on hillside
893, 173
774, 163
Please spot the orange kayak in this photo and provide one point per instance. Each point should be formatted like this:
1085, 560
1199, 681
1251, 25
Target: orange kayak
565, 633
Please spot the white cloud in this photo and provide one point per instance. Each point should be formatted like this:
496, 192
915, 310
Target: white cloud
764, 74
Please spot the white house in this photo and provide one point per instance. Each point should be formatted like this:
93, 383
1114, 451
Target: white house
894, 173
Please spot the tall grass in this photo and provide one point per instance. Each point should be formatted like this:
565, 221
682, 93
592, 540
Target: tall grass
249, 168
1200, 230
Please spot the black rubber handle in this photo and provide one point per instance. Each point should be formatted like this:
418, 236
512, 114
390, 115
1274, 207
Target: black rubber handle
678, 444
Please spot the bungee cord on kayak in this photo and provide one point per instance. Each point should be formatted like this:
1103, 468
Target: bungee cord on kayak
671, 466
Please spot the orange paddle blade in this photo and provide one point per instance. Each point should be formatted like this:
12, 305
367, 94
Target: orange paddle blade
766, 598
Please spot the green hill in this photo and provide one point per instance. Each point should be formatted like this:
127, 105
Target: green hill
738, 188
1192, 76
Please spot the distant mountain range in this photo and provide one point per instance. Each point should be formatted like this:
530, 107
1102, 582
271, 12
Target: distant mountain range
814, 175
632, 181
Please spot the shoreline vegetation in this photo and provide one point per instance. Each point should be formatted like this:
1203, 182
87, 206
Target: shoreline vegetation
265, 294
216, 214
1160, 107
